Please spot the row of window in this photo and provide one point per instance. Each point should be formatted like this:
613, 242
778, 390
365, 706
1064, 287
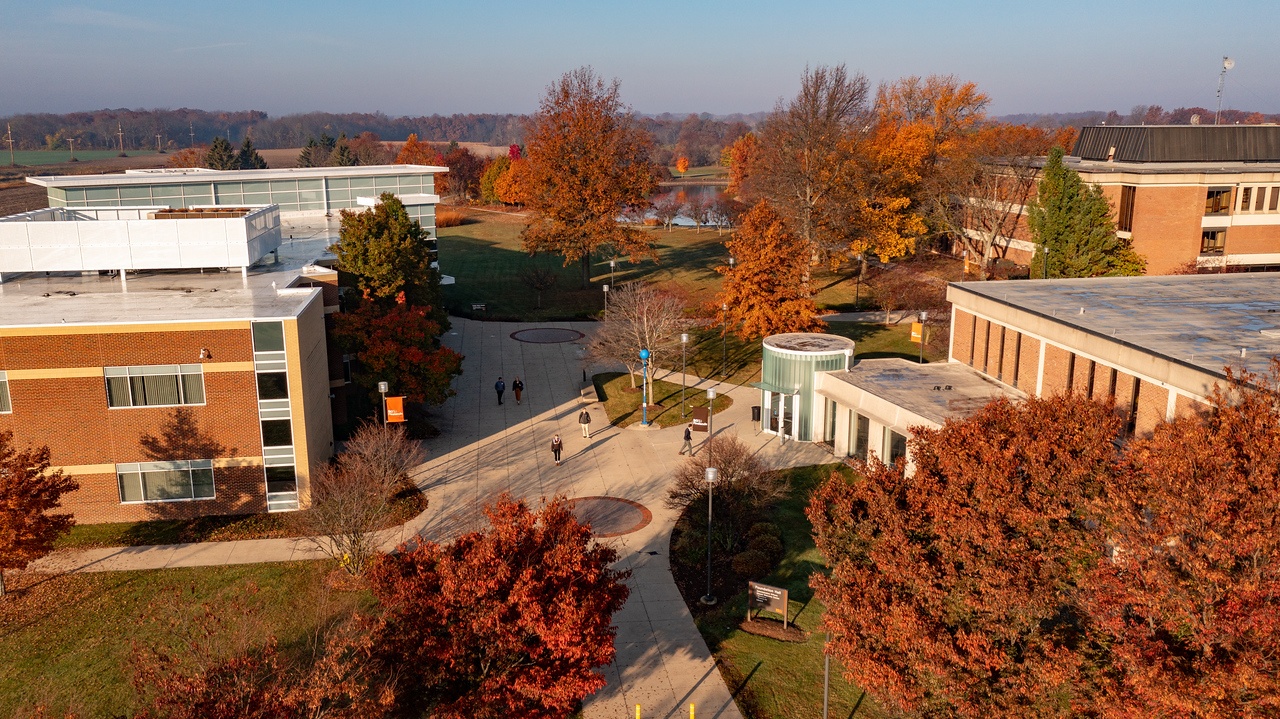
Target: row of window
1255, 198
185, 480
162, 386
893, 445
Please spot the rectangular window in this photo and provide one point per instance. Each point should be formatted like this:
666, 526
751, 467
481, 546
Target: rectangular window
273, 385
165, 481
1246, 194
154, 385
862, 437
268, 337
1261, 201
281, 479
1217, 201
829, 432
895, 445
5, 404
1213, 242
1275, 200
1125, 221
276, 433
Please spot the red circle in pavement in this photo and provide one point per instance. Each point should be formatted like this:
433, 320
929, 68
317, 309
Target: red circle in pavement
611, 516
547, 335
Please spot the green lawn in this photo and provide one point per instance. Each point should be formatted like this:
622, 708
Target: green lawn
702, 171
486, 258
774, 679
622, 404
65, 641
54, 157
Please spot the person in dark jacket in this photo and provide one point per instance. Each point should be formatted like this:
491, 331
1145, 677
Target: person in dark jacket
557, 445
688, 440
517, 386
499, 387
584, 421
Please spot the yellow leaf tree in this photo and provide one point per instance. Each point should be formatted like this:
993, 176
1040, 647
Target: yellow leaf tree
767, 290
682, 165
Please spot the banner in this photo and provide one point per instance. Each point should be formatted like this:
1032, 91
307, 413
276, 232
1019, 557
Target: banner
917, 331
700, 417
395, 409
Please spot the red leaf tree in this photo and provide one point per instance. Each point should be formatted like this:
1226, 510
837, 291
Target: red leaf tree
28, 492
952, 588
1191, 597
507, 622
399, 343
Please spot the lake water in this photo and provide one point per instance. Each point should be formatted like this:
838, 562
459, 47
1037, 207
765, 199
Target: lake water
707, 193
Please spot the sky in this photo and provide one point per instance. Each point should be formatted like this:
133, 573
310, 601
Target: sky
421, 58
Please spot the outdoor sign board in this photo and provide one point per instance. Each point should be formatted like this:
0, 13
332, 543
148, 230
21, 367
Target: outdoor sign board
917, 331
701, 415
767, 598
395, 409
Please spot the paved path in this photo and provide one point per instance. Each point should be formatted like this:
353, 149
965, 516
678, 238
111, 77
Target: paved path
484, 449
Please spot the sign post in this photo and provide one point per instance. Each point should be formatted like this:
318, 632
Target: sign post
767, 598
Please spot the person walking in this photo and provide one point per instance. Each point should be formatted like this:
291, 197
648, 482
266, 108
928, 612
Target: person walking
584, 421
499, 387
688, 440
517, 386
557, 445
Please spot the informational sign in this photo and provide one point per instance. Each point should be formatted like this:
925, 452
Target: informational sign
917, 331
700, 417
395, 409
766, 598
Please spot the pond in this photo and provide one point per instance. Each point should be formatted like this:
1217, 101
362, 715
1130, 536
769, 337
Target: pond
683, 193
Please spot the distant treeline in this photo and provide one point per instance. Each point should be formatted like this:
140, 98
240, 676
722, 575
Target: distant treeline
1139, 115
700, 137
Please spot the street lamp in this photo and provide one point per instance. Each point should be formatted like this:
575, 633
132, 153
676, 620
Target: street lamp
611, 264
712, 475
924, 315
711, 412
606, 298
644, 389
382, 390
684, 380
724, 340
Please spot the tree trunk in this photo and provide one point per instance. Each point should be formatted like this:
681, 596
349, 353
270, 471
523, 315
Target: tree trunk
1, 583
586, 271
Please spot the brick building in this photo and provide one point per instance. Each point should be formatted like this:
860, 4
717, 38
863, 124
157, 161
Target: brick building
1157, 346
189, 388
1189, 194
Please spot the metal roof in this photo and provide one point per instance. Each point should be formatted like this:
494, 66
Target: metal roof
204, 175
1179, 143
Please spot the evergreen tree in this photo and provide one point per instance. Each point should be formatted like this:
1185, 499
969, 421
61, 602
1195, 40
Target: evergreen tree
308, 156
1073, 222
221, 156
249, 159
387, 253
341, 155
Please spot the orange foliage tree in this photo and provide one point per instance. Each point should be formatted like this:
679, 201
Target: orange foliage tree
28, 492
510, 621
682, 164
952, 589
510, 186
881, 210
588, 160
188, 157
415, 152
767, 291
738, 158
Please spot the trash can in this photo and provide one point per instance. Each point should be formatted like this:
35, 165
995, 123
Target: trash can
755, 414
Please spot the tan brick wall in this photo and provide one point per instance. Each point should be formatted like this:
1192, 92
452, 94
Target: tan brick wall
1057, 363
1030, 364
1166, 225
1153, 401
1103, 378
993, 348
962, 338
1009, 363
1253, 239
1124, 393
1184, 406
1080, 383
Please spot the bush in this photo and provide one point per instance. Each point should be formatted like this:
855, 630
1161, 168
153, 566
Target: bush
751, 564
768, 529
770, 547
449, 218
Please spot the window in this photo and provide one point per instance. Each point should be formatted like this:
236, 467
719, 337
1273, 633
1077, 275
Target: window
281, 479
165, 481
268, 337
1212, 242
1125, 221
895, 445
829, 432
1261, 201
163, 385
276, 433
1246, 194
5, 404
861, 437
273, 385
1275, 200
1217, 201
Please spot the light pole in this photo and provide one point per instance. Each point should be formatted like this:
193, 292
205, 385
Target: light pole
924, 315
644, 389
712, 475
606, 298
382, 390
684, 381
611, 264
724, 340
711, 412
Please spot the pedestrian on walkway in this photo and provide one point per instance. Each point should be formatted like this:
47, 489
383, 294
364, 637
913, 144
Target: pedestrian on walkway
517, 386
499, 387
584, 421
557, 445
688, 440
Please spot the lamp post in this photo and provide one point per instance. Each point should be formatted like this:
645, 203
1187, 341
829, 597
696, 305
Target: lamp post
712, 475
711, 412
606, 298
382, 390
724, 340
684, 381
611, 265
644, 389
924, 315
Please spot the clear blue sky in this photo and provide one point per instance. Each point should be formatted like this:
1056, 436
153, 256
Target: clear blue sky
720, 57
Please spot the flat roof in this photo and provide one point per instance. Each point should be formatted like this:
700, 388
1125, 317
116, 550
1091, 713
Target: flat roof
204, 175
1201, 321
34, 299
937, 391
809, 342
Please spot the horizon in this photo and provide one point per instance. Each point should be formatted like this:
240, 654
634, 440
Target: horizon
69, 56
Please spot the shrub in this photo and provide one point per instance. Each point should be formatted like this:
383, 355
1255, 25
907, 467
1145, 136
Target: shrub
449, 218
751, 564
770, 547
768, 529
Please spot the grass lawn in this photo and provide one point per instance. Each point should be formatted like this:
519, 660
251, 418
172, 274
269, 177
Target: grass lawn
774, 679
623, 405
66, 640
703, 171
486, 258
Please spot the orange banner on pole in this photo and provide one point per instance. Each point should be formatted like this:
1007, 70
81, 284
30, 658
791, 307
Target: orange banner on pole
395, 409
917, 331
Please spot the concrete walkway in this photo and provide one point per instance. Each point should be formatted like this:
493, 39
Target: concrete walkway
485, 449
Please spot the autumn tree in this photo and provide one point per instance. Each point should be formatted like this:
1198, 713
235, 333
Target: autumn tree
399, 343
510, 621
187, 157
414, 152
369, 149
248, 157
1072, 222
738, 157
1190, 598
745, 488
667, 208
881, 213
953, 588
767, 290
29, 491
539, 279
640, 316
588, 160
682, 165
387, 253
490, 178
465, 171
511, 186
221, 156
802, 160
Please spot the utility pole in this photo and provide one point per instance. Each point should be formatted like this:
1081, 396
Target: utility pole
1227, 64
72, 142
158, 150
120, 134
9, 138
192, 127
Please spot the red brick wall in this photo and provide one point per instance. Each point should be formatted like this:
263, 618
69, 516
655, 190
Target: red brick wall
1010, 361
1057, 362
238, 490
1030, 364
962, 338
1166, 226
1184, 406
1153, 401
1253, 239
1080, 382
993, 348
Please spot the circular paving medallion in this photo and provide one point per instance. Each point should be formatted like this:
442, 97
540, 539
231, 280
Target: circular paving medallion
611, 516
547, 335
